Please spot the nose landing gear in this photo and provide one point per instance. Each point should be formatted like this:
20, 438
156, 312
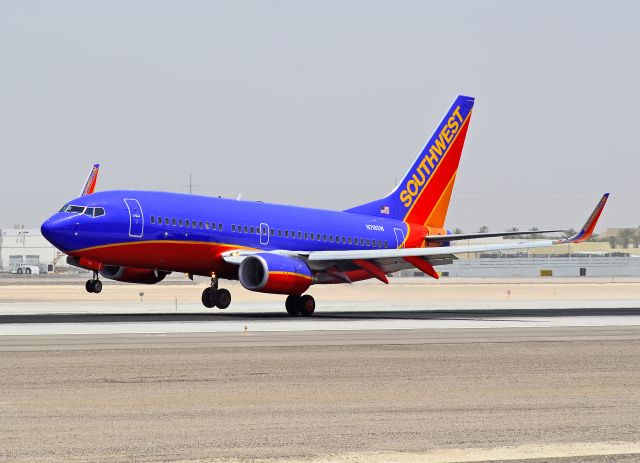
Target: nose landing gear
216, 297
302, 306
94, 285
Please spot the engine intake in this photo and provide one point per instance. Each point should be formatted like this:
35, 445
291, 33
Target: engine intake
132, 274
273, 273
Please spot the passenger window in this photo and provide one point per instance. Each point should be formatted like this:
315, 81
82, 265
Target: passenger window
344, 240
233, 227
286, 233
251, 230
194, 224
166, 220
368, 243
153, 219
361, 241
200, 224
373, 243
379, 243
306, 236
272, 231
330, 238
206, 225
324, 238
337, 239
318, 236
246, 229
311, 236
220, 226
173, 222
279, 232
349, 240
386, 244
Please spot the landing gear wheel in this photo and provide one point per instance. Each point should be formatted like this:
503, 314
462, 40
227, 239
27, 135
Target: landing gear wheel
224, 298
19, 271
27, 271
209, 298
307, 305
93, 286
292, 304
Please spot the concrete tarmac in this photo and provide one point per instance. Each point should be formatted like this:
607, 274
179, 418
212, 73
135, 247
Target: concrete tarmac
499, 380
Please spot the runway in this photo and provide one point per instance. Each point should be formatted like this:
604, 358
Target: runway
605, 322
491, 381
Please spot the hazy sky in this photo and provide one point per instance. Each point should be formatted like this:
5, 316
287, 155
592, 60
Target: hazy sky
322, 103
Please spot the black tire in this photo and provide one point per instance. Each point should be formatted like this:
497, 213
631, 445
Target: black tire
223, 298
27, 271
97, 286
89, 286
292, 304
208, 298
19, 271
307, 305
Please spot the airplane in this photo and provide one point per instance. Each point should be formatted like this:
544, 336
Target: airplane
142, 236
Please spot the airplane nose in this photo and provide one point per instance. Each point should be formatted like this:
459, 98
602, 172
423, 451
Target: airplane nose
55, 231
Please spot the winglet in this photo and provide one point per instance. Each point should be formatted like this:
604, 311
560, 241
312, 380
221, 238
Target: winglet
90, 184
587, 230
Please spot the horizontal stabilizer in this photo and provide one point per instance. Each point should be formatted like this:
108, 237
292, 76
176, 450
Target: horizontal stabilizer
471, 236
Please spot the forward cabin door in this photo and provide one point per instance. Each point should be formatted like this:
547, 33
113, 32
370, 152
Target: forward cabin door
264, 234
136, 220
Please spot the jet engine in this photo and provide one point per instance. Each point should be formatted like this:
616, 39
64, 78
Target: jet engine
132, 274
273, 273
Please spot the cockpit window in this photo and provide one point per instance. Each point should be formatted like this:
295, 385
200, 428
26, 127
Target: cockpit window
88, 211
75, 209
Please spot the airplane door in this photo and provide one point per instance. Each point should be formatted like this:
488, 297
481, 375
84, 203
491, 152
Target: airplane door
264, 234
399, 237
136, 220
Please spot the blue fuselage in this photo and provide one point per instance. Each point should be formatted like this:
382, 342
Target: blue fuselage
178, 232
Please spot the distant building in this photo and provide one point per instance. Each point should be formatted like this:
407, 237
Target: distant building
27, 246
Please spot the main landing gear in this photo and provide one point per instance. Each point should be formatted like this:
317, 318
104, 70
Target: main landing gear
302, 306
216, 297
94, 285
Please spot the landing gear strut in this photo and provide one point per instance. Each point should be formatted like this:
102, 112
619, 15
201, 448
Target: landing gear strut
94, 285
214, 296
302, 306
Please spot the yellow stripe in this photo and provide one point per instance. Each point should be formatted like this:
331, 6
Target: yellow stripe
436, 169
291, 273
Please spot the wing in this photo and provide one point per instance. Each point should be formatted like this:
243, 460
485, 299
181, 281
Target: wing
90, 184
331, 265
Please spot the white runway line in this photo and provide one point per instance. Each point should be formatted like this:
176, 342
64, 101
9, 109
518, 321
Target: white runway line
293, 325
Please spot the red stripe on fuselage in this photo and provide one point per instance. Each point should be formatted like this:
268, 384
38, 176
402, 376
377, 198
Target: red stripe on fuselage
199, 258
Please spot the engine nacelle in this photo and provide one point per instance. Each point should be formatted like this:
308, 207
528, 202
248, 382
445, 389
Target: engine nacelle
273, 273
132, 274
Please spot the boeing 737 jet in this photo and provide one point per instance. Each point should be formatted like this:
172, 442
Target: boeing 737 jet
142, 236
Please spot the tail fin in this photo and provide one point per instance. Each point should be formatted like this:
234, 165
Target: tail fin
90, 185
422, 196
